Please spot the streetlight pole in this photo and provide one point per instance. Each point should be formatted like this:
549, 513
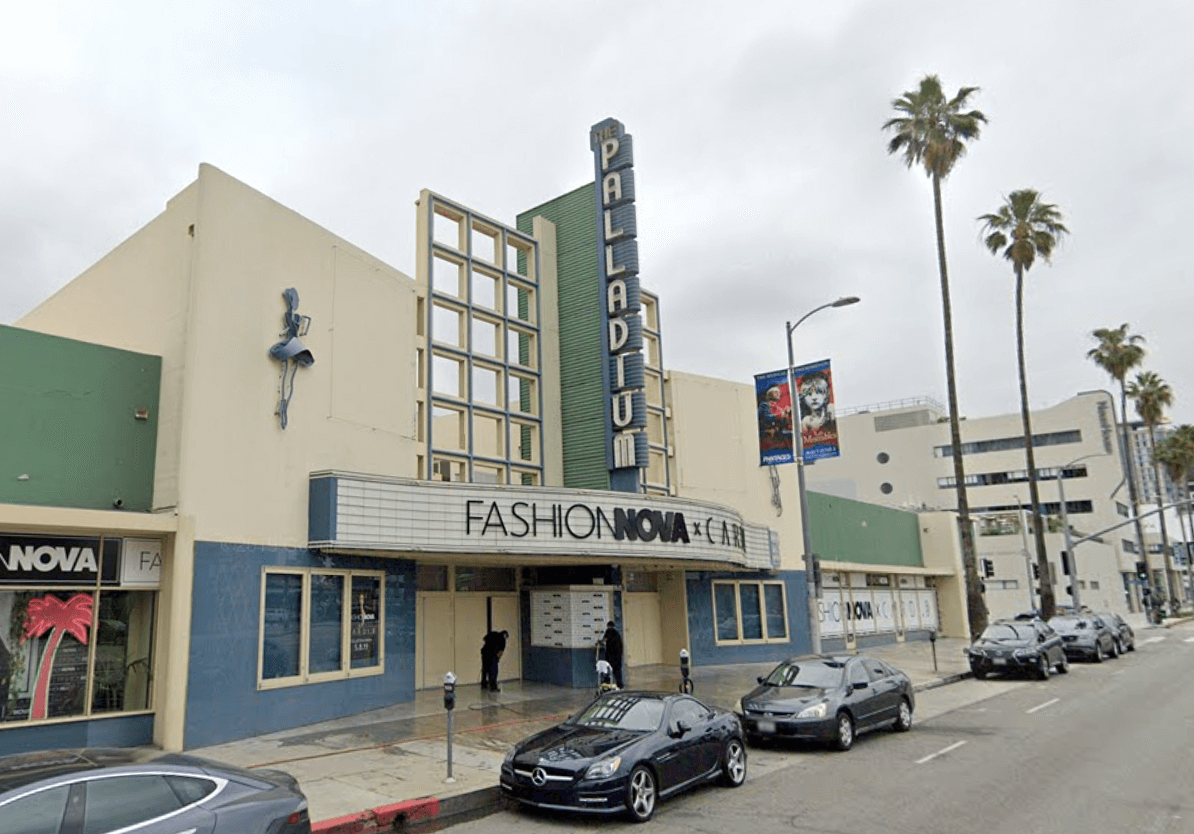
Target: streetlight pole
814, 618
1065, 529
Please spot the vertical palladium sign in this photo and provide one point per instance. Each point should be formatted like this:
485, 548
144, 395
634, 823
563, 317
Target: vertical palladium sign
622, 334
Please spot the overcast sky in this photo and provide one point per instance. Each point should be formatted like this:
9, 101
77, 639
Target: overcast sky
764, 187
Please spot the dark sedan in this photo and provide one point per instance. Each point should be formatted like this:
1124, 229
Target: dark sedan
1086, 636
146, 791
1124, 635
623, 752
1018, 646
829, 699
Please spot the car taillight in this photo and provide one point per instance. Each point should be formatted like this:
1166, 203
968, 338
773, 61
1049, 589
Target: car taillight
296, 817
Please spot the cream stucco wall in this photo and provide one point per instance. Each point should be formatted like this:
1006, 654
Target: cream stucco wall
941, 550
715, 438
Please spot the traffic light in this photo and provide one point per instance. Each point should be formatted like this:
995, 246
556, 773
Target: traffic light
1142, 571
1065, 562
817, 581
988, 568
1036, 571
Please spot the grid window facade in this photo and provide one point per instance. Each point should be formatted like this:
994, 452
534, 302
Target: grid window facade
750, 612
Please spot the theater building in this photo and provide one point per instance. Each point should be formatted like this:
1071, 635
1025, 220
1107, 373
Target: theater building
347, 475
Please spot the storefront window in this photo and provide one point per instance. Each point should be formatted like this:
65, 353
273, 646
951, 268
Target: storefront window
725, 609
750, 612
75, 637
327, 623
122, 651
283, 625
320, 625
752, 620
777, 612
366, 637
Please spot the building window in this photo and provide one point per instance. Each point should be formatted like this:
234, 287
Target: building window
1122, 509
883, 457
1128, 545
750, 612
885, 488
87, 640
1007, 444
319, 625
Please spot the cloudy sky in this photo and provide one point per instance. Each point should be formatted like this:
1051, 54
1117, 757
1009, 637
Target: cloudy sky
764, 186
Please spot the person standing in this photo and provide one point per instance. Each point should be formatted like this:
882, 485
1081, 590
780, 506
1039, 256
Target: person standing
492, 648
613, 651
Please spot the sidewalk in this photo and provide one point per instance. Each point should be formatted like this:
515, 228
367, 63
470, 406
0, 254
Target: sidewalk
386, 770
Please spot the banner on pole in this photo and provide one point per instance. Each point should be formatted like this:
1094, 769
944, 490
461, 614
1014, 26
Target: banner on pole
774, 408
818, 425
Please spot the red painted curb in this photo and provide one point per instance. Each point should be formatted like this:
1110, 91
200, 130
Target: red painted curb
413, 810
361, 823
380, 819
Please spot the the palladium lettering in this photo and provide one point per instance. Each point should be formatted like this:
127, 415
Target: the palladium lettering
47, 559
617, 233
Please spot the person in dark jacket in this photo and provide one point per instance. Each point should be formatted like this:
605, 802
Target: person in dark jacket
613, 651
492, 648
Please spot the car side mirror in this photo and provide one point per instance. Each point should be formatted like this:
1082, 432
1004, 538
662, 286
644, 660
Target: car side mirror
761, 679
861, 684
680, 729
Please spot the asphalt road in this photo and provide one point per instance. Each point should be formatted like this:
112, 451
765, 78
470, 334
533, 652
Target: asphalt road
1106, 748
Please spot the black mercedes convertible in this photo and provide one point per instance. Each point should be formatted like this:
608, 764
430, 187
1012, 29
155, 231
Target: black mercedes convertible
625, 751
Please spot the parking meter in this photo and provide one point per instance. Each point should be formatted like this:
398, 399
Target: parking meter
685, 669
449, 691
933, 641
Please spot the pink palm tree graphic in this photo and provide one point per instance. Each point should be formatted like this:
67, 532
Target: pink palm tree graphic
49, 612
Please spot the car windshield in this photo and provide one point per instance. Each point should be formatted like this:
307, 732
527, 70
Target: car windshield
622, 712
1070, 624
813, 673
1008, 631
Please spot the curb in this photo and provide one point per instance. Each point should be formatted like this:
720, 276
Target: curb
426, 813
944, 681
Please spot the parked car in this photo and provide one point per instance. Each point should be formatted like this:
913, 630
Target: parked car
827, 699
1086, 636
1120, 628
623, 752
146, 791
1029, 645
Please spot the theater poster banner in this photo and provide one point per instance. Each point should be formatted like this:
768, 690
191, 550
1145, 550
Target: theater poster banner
774, 408
818, 425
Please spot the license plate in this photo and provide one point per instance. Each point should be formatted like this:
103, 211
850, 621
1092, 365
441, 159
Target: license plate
999, 661
766, 726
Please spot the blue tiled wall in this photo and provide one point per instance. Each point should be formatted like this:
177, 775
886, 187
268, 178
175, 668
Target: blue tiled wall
705, 651
125, 731
223, 702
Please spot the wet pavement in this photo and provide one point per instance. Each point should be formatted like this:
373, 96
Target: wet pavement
397, 757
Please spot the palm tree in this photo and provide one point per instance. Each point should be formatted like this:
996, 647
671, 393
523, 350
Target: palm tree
1022, 228
932, 131
51, 614
1176, 454
1152, 396
1117, 353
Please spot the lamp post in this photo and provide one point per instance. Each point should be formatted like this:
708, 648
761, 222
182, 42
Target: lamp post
814, 619
1065, 529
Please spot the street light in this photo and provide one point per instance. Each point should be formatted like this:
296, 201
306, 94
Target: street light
814, 619
1065, 529
1023, 519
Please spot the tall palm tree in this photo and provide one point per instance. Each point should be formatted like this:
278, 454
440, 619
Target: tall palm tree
1152, 396
931, 131
1176, 454
1021, 229
1117, 353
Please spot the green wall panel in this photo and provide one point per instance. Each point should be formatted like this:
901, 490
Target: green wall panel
67, 421
851, 531
582, 398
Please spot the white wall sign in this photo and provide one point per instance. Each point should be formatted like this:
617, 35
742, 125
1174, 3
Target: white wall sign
568, 618
141, 563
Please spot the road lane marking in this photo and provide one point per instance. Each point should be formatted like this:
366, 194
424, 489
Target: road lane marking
1148, 640
1042, 706
1188, 640
942, 752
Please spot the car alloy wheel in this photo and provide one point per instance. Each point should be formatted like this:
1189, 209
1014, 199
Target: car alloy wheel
1115, 651
1098, 657
641, 794
733, 764
903, 721
1063, 665
1042, 668
845, 731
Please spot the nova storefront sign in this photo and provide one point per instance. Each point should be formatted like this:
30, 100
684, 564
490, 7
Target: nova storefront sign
622, 333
